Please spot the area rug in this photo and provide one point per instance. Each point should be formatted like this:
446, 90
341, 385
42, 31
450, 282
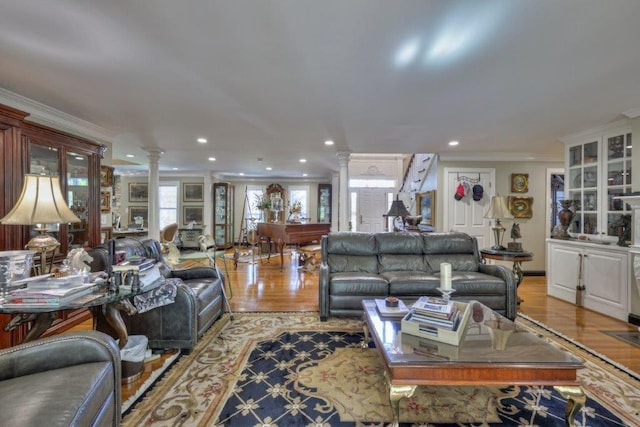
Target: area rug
276, 369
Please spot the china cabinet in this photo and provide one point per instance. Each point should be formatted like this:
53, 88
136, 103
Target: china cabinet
223, 199
597, 168
324, 202
27, 147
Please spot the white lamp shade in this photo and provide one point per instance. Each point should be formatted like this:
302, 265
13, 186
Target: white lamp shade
498, 209
40, 202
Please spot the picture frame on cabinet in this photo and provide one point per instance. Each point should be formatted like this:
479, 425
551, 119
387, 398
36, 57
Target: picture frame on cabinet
519, 182
138, 192
105, 201
521, 207
192, 192
192, 213
135, 211
425, 207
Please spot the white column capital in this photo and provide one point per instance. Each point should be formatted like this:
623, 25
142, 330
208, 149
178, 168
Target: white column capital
343, 158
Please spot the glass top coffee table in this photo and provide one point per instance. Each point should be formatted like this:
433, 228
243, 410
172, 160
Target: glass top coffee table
494, 351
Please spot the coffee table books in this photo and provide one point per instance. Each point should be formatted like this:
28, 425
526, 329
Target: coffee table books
449, 331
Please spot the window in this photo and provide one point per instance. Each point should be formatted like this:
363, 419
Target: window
255, 195
299, 194
168, 203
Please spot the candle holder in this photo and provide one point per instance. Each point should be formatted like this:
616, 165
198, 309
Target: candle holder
446, 293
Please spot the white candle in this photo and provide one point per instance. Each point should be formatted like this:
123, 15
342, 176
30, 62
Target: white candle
445, 276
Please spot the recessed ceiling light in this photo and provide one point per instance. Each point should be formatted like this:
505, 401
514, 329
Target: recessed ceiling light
202, 140
303, 160
453, 143
328, 142
305, 174
269, 168
241, 174
175, 169
130, 155
79, 157
212, 159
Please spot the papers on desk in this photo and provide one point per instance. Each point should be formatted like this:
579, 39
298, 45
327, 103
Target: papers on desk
49, 293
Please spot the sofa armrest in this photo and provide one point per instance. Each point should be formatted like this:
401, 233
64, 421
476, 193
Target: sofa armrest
195, 273
509, 278
59, 351
323, 289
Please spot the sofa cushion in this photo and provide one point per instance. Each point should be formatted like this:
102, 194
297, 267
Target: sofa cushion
400, 243
358, 284
459, 262
391, 262
352, 243
341, 263
402, 283
477, 284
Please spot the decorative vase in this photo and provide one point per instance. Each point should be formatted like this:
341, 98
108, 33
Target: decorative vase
565, 215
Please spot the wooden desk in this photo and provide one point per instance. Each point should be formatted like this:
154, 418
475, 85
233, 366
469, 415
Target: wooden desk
283, 234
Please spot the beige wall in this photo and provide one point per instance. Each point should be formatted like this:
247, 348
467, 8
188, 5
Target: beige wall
533, 229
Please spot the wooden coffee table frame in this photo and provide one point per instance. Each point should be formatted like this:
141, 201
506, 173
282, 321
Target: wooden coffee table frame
403, 378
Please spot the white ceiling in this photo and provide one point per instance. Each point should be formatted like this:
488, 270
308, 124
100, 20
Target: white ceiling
273, 79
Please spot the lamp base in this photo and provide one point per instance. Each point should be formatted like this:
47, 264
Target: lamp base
498, 248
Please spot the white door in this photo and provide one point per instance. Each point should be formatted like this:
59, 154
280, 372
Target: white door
371, 206
467, 215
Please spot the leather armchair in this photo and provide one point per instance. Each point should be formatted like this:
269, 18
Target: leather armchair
70, 379
198, 303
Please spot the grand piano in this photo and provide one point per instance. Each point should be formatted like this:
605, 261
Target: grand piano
291, 233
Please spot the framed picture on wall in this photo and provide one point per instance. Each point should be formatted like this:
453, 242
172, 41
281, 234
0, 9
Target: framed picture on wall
106, 176
138, 192
521, 207
192, 213
425, 207
105, 201
135, 211
519, 182
192, 192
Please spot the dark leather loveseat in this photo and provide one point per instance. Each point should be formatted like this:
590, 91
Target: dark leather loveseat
357, 266
70, 379
198, 302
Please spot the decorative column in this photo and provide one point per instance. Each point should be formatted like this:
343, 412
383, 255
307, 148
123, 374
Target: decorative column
343, 192
634, 252
154, 154
207, 221
335, 183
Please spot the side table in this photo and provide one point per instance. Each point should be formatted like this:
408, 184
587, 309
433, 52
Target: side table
504, 255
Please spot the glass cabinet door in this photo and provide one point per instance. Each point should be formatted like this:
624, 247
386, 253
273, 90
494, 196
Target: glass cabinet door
78, 197
583, 183
618, 179
324, 202
223, 214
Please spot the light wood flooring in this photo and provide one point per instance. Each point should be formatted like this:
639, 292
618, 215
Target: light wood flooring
262, 287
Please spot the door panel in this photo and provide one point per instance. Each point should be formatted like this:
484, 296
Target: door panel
466, 215
372, 205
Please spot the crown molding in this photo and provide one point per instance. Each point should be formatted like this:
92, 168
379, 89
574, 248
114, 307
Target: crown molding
617, 126
501, 157
56, 119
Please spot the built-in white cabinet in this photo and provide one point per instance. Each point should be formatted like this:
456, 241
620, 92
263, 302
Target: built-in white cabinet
603, 270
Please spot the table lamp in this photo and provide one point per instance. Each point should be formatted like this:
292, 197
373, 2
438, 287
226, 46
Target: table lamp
498, 210
398, 210
40, 203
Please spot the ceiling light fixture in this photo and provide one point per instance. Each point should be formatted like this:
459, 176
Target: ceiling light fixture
303, 160
453, 143
269, 168
130, 155
241, 174
212, 159
328, 142
305, 174
202, 140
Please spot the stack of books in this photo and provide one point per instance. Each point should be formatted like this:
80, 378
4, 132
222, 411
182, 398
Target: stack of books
437, 312
437, 319
137, 264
